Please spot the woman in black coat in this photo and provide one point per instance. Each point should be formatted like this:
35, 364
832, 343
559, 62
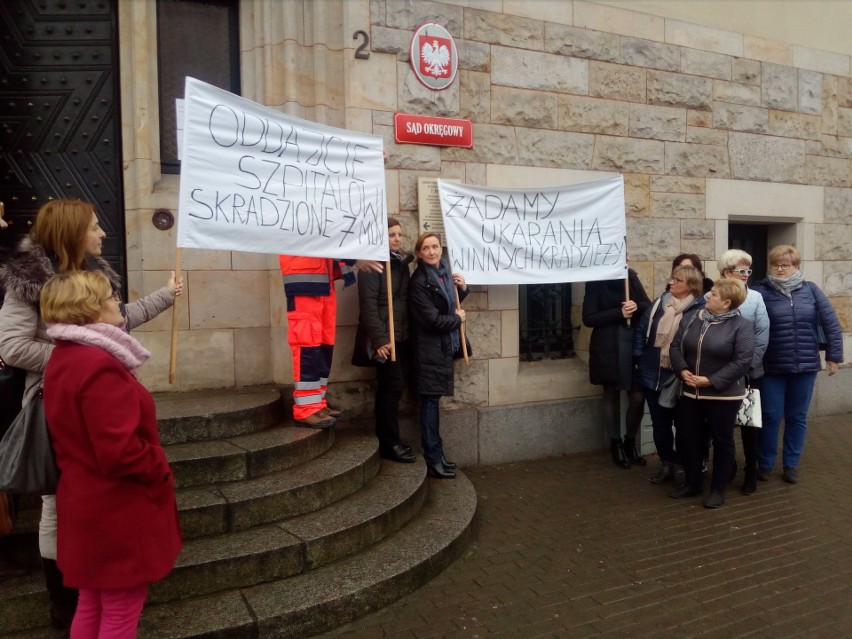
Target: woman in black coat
373, 342
435, 323
607, 312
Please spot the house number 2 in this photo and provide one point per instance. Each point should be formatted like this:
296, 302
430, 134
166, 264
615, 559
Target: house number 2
361, 53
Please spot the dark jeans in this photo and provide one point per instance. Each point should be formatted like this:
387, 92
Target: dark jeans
787, 396
389, 385
693, 420
430, 423
662, 420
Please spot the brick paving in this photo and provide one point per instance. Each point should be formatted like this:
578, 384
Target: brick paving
574, 547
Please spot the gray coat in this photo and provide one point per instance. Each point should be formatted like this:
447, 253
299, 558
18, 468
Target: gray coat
23, 335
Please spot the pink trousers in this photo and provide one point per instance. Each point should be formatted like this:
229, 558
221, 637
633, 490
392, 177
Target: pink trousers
108, 614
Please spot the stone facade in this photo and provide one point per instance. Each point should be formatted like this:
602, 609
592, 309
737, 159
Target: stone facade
708, 126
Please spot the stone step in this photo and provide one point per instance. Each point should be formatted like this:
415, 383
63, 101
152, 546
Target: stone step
336, 593
246, 456
265, 553
240, 505
216, 414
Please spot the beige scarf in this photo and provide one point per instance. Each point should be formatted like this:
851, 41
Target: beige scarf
667, 327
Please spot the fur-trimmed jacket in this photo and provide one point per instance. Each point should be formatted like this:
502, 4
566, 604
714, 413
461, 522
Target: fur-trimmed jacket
24, 341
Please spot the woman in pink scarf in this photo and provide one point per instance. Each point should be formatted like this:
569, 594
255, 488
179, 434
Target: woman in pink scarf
116, 497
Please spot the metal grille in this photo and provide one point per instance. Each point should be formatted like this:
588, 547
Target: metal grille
545, 322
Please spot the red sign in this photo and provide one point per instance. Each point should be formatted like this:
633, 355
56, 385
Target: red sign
425, 129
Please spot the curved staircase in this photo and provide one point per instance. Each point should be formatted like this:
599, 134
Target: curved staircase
287, 531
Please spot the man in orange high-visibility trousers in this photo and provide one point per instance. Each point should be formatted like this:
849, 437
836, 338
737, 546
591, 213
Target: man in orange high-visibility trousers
311, 323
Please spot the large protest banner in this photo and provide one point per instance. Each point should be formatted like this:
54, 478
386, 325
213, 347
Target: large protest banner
255, 179
572, 233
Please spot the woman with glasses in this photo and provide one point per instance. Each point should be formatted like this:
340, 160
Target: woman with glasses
652, 340
800, 317
736, 264
66, 237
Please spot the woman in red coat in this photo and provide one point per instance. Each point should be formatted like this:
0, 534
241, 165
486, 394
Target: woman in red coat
115, 497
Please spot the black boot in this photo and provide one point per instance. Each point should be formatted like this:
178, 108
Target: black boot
618, 456
632, 453
63, 601
750, 481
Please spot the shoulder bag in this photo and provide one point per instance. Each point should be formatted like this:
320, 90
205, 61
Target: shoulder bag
27, 464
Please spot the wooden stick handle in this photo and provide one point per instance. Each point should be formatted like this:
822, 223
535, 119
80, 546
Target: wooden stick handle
461, 327
627, 294
390, 310
173, 353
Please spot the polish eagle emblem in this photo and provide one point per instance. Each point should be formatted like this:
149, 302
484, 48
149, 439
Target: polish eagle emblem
435, 58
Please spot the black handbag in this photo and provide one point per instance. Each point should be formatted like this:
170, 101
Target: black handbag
670, 392
27, 464
12, 382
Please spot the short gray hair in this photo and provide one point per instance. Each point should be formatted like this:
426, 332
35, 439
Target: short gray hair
729, 259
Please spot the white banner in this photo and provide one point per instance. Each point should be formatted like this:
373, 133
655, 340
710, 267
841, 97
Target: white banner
572, 233
255, 179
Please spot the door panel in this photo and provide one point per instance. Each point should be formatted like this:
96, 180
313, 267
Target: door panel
59, 121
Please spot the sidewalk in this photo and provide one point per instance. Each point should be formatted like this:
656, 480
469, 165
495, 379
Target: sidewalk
575, 547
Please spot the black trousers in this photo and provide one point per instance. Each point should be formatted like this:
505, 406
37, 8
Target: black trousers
696, 419
390, 381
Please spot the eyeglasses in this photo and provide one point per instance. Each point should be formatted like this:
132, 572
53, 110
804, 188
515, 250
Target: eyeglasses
742, 271
674, 279
782, 267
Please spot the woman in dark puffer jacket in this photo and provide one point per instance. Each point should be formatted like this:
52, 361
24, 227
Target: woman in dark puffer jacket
435, 323
796, 308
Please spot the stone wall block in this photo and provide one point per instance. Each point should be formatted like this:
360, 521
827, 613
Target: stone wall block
409, 16
533, 70
810, 91
821, 60
838, 205
837, 278
581, 43
699, 118
676, 89
652, 239
736, 117
706, 63
637, 194
646, 53
833, 146
523, 108
706, 249
484, 330
408, 156
698, 230
473, 56
828, 171
475, 96
844, 122
767, 50
695, 135
844, 91
745, 71
697, 160
495, 144
736, 93
707, 39
670, 184
788, 124
829, 104
766, 158
414, 97
378, 12
593, 115
385, 40
779, 86
470, 384
617, 82
628, 155
657, 122
834, 243
539, 147
507, 30
677, 205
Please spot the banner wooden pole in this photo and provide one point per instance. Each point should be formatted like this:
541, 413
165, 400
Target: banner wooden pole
390, 310
173, 354
461, 327
627, 294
